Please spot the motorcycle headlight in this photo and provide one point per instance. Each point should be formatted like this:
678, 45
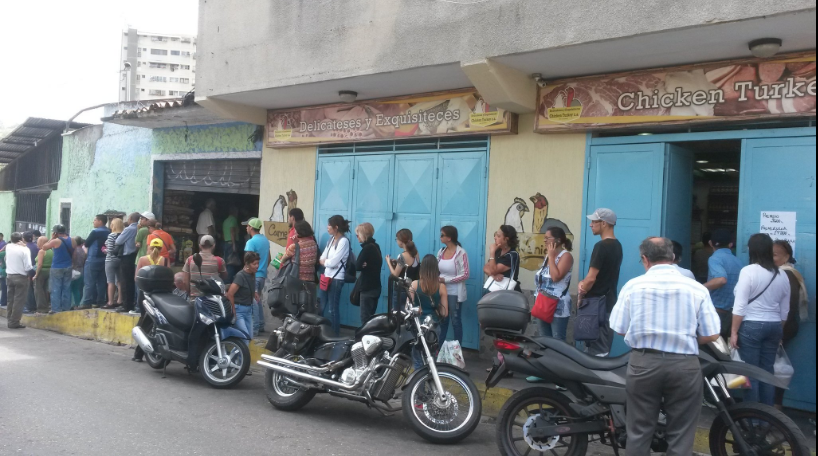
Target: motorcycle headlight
205, 319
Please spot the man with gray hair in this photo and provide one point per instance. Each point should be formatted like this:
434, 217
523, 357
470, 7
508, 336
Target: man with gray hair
664, 317
127, 266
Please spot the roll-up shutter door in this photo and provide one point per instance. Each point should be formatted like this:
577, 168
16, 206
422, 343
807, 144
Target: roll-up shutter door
214, 176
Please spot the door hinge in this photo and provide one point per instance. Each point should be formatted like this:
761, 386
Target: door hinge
316, 174
588, 163
353, 173
485, 172
437, 173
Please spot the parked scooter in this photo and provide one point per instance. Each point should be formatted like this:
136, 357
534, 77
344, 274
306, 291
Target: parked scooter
439, 401
540, 420
198, 335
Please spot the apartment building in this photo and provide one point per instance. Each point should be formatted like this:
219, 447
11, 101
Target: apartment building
156, 65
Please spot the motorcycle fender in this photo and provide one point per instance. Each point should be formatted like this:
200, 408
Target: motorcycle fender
230, 331
423, 370
750, 371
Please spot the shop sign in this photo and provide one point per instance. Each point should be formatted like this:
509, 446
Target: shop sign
277, 232
737, 90
462, 112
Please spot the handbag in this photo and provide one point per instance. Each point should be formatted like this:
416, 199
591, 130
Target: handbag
590, 317
507, 283
546, 306
355, 295
285, 292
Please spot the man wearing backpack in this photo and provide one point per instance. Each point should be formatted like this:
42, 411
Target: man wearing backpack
213, 267
258, 243
61, 268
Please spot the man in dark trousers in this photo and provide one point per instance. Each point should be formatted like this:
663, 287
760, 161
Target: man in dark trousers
603, 275
127, 266
664, 317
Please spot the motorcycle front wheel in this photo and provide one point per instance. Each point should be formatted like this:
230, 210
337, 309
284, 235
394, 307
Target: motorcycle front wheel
442, 421
281, 393
530, 408
765, 429
228, 371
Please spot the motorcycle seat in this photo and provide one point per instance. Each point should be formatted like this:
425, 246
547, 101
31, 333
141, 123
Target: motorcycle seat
177, 310
325, 334
583, 359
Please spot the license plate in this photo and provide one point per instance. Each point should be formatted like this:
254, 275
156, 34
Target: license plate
498, 371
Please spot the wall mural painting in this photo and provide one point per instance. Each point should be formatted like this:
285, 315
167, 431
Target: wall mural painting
532, 241
277, 226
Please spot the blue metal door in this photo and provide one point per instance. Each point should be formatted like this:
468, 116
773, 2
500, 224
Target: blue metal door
779, 175
629, 180
421, 191
678, 203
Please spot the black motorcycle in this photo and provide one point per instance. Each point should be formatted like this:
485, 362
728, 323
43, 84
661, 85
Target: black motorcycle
440, 401
198, 335
541, 420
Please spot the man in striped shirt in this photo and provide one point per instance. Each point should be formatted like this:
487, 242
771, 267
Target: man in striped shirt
664, 317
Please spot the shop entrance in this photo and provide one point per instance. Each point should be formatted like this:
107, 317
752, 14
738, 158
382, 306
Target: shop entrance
188, 185
682, 186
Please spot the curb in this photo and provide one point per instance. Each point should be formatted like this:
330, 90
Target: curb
115, 328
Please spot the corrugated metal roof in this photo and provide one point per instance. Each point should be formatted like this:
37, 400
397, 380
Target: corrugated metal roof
177, 112
28, 135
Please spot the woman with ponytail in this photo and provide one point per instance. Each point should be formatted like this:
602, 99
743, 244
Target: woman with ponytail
333, 260
454, 271
407, 264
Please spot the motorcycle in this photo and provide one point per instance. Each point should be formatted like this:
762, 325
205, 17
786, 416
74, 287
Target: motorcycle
440, 401
544, 420
200, 335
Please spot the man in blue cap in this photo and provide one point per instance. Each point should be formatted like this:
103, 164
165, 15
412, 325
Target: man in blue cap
723, 269
258, 243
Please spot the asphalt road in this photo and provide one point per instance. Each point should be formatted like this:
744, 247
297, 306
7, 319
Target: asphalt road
65, 396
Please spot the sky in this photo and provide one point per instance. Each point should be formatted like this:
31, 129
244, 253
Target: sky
58, 57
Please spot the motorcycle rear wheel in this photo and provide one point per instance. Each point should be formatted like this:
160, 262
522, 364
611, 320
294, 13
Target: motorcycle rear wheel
767, 430
527, 404
436, 423
154, 359
282, 396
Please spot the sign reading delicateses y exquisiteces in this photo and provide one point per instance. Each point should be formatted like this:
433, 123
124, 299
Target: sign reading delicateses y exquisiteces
438, 114
738, 90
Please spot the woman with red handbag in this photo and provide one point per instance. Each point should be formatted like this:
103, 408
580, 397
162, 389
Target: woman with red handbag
553, 306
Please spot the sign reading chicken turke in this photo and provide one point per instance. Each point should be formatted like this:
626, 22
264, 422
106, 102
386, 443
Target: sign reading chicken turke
737, 90
460, 112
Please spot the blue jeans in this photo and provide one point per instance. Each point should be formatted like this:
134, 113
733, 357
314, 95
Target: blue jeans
330, 302
455, 315
231, 270
61, 289
558, 329
258, 308
758, 344
244, 319
96, 284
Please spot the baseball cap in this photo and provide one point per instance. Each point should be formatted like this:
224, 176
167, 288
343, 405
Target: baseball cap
255, 223
606, 215
148, 215
157, 243
59, 229
207, 241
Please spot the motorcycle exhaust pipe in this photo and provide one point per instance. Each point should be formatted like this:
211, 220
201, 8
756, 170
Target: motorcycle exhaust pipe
287, 363
142, 340
310, 377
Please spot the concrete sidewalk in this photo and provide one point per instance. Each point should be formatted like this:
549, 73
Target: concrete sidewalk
115, 328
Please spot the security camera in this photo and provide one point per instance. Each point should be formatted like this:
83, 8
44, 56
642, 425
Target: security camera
537, 77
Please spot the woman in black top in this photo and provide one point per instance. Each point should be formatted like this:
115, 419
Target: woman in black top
369, 262
505, 261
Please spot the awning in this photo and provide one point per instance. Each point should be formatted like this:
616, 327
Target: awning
178, 112
28, 135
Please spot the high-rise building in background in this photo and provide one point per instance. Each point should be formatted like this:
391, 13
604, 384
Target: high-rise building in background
156, 65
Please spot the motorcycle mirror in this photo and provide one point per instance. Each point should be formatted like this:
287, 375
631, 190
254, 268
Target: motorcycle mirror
197, 258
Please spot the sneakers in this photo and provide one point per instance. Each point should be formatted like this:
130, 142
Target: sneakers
18, 326
121, 309
134, 312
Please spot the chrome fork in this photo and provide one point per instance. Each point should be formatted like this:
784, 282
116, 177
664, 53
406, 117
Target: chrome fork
430, 360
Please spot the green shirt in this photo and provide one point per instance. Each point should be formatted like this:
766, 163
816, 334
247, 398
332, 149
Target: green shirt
229, 223
142, 240
48, 258
3, 264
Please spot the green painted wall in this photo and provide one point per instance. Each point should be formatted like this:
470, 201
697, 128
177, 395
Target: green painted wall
6, 213
104, 167
233, 137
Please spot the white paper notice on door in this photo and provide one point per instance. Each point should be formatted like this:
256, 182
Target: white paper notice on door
779, 225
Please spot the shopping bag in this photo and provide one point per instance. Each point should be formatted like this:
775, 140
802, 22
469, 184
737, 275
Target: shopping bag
451, 353
736, 381
783, 367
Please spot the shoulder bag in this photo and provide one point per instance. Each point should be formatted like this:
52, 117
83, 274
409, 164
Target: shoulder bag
508, 283
590, 317
546, 305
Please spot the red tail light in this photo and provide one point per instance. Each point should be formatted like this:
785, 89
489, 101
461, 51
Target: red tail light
504, 345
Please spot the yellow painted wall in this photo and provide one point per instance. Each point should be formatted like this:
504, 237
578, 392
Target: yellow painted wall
283, 170
523, 165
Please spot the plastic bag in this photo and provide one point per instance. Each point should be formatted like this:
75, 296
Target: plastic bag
451, 353
783, 367
736, 381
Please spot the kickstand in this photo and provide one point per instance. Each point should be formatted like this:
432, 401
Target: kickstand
165, 370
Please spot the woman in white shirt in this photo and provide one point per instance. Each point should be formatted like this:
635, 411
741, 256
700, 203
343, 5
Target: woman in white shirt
454, 271
334, 261
759, 313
